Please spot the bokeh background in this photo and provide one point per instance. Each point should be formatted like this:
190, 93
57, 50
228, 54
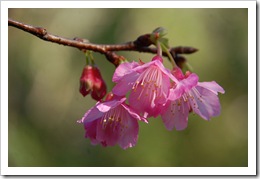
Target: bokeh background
44, 102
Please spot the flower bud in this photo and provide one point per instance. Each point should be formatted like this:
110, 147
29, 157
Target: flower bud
92, 82
160, 32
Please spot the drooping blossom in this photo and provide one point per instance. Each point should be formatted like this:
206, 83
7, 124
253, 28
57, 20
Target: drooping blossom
199, 97
112, 122
92, 82
148, 83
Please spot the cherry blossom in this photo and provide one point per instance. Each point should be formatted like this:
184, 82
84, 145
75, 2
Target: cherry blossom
112, 122
199, 97
148, 83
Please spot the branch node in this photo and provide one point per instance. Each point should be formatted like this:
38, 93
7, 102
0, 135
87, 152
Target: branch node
41, 32
143, 41
114, 58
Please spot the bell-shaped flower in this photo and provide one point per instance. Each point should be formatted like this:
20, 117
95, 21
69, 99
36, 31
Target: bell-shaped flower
112, 122
148, 83
92, 82
199, 97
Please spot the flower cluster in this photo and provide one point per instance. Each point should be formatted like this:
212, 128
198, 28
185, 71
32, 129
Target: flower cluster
153, 90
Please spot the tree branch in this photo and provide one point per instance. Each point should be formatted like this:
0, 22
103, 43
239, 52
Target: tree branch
141, 44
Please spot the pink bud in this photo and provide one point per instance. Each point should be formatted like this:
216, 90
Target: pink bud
92, 82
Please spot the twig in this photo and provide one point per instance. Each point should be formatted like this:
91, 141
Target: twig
141, 44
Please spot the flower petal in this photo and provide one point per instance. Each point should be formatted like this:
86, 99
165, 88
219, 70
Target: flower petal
212, 86
91, 131
163, 91
176, 115
190, 81
176, 93
140, 106
123, 69
129, 136
166, 71
91, 115
141, 68
183, 86
126, 84
107, 105
157, 63
107, 136
205, 102
144, 103
133, 113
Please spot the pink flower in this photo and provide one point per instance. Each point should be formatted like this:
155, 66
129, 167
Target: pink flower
198, 97
112, 122
149, 84
92, 81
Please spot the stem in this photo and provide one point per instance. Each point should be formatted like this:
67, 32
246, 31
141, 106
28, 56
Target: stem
165, 49
159, 49
89, 58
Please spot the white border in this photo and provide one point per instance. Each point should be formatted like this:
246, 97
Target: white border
127, 4
250, 170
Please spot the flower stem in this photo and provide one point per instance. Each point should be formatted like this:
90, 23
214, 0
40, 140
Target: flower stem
159, 49
89, 58
165, 49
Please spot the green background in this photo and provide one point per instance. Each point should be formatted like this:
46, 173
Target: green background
44, 102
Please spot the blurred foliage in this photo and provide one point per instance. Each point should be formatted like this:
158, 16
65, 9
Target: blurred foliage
45, 103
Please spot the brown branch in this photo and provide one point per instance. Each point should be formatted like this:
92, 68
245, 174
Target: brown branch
141, 44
